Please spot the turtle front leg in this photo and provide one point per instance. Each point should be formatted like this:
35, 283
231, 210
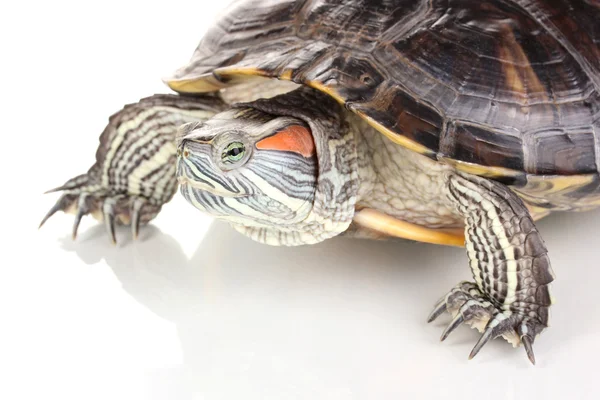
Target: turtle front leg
510, 296
134, 173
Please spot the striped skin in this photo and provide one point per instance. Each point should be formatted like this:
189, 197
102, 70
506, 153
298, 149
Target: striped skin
265, 188
285, 191
138, 156
134, 173
276, 197
281, 197
497, 233
509, 262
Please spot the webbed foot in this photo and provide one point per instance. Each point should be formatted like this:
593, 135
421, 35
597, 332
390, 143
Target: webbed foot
134, 173
82, 198
468, 305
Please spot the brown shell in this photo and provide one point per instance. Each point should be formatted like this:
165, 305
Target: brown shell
500, 88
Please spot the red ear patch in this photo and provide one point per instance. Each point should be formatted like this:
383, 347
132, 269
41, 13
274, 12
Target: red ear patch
294, 138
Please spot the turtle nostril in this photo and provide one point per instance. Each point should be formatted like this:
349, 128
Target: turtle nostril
182, 151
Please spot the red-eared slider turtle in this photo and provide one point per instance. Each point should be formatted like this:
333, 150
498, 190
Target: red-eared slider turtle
415, 119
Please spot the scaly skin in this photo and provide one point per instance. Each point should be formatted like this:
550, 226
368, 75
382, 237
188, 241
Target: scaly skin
292, 192
134, 173
510, 296
509, 262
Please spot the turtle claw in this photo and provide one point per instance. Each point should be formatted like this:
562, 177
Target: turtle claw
528, 344
136, 207
469, 305
62, 204
82, 209
456, 322
72, 184
483, 339
438, 310
81, 198
108, 209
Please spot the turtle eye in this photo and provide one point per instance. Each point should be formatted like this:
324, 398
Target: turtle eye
233, 152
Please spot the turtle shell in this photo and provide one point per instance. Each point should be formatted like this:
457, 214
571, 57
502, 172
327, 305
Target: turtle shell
504, 89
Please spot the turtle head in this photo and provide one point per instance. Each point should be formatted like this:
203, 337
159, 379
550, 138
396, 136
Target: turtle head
281, 170
249, 168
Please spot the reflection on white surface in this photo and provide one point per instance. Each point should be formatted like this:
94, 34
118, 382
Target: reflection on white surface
341, 320
276, 321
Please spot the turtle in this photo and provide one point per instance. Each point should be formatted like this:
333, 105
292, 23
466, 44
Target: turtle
451, 122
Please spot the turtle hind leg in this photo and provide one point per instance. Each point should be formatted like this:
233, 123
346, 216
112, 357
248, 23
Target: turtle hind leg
510, 294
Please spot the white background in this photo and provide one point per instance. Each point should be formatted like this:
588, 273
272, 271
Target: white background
195, 311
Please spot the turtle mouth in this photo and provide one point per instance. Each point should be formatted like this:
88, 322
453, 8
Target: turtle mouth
185, 181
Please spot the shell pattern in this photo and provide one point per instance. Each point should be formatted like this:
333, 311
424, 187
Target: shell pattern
508, 89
